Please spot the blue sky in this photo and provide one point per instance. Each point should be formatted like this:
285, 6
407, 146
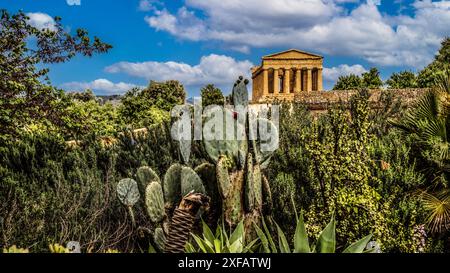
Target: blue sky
214, 41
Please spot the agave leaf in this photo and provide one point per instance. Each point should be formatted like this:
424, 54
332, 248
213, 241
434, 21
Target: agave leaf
269, 238
238, 233
301, 243
207, 233
359, 246
217, 246
263, 238
284, 245
250, 246
327, 238
237, 246
202, 244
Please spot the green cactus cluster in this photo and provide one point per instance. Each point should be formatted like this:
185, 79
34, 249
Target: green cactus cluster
233, 179
161, 196
239, 162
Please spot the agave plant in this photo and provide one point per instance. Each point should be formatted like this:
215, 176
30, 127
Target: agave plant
326, 243
429, 124
221, 242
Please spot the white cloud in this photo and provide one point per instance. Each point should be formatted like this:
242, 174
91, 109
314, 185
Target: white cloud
145, 5
332, 74
102, 85
41, 20
215, 69
316, 25
73, 2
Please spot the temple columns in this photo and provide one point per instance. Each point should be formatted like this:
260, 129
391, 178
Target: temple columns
287, 81
276, 82
265, 82
309, 80
298, 81
319, 80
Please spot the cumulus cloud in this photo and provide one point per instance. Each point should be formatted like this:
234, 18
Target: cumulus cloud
99, 85
333, 73
215, 69
318, 25
41, 20
73, 2
145, 5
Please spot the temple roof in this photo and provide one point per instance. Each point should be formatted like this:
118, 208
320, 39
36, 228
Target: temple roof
292, 54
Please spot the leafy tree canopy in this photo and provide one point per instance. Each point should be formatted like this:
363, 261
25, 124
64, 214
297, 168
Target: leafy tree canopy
349, 82
371, 79
212, 95
24, 96
152, 104
430, 74
404, 79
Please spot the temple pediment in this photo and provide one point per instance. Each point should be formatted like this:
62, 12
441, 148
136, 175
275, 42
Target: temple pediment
292, 54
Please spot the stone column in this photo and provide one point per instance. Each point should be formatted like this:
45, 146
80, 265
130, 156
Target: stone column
319, 79
265, 83
287, 81
276, 82
309, 81
298, 80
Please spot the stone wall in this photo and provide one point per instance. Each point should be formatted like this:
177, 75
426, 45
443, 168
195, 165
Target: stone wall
317, 101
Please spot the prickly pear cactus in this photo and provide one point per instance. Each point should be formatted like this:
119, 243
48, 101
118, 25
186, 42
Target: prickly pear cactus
239, 162
154, 202
216, 140
144, 176
179, 182
128, 192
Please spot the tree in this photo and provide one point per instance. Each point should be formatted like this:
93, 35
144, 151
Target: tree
212, 95
349, 82
24, 97
429, 125
372, 79
151, 105
403, 79
428, 76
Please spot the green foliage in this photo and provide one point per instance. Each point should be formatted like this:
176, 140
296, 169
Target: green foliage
371, 79
430, 74
428, 124
83, 118
349, 82
221, 241
212, 95
24, 97
339, 162
403, 79
151, 105
326, 242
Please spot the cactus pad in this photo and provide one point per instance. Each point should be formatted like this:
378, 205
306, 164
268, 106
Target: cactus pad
223, 178
159, 239
221, 144
240, 92
190, 182
179, 181
144, 176
154, 202
264, 139
172, 184
128, 192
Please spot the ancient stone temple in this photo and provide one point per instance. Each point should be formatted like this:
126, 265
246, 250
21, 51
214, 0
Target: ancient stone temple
283, 75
